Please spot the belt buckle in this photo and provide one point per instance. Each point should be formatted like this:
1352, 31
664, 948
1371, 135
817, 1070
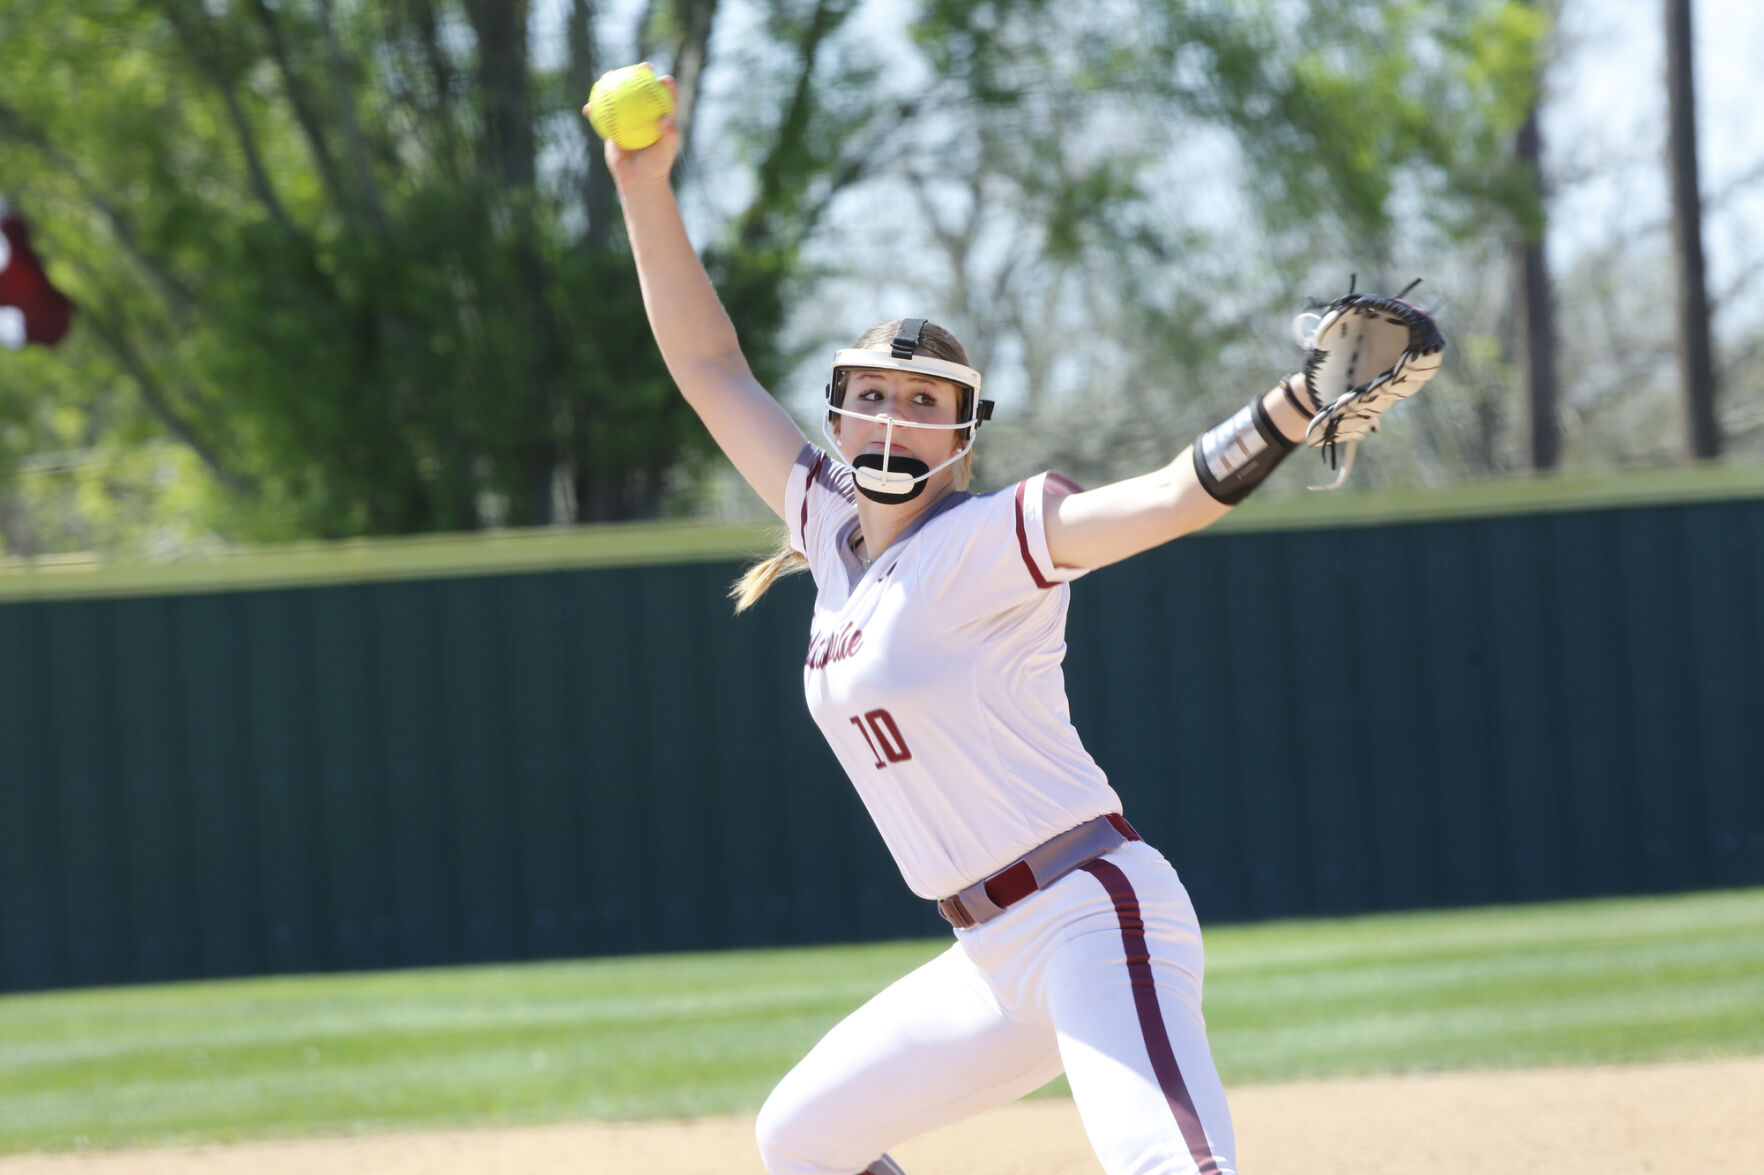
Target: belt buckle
955, 913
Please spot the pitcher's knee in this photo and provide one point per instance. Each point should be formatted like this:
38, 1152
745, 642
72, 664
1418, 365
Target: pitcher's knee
786, 1140
793, 1140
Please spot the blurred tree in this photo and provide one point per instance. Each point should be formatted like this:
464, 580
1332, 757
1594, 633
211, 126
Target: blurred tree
1696, 354
1533, 308
1125, 195
364, 261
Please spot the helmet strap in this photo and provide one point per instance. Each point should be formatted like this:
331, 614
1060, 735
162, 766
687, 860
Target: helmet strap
906, 340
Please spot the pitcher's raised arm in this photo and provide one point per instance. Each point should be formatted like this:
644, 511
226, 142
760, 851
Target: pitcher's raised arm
696, 338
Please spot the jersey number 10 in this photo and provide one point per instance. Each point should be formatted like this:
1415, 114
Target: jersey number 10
883, 737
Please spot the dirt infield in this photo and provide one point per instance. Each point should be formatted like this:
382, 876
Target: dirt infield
1629, 1120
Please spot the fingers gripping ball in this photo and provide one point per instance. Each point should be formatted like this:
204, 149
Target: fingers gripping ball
627, 105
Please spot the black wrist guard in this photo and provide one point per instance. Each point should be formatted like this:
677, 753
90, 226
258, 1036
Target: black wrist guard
1235, 457
1306, 404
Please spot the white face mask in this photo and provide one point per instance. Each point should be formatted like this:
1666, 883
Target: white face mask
886, 476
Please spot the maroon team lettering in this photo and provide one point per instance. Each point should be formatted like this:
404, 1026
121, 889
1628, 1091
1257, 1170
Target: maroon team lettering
834, 646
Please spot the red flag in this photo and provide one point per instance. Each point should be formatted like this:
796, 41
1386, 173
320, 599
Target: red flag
32, 310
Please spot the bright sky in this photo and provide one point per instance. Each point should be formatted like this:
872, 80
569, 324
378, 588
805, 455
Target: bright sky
1608, 107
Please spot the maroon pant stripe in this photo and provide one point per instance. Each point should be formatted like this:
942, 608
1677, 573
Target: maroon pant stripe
1151, 1016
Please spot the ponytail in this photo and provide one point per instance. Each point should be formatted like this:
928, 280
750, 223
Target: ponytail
757, 579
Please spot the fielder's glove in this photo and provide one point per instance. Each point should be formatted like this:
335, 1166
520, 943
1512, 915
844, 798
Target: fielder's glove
1366, 353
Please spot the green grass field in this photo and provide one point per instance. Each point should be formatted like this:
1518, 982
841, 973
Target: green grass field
684, 1035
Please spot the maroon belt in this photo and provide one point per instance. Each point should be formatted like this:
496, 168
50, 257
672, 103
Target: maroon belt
1036, 869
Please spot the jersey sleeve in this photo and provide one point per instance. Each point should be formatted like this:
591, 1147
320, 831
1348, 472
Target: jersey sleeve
992, 554
818, 499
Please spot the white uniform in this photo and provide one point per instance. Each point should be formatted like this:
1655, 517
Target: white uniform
935, 675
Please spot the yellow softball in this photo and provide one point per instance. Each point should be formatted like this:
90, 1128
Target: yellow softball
627, 105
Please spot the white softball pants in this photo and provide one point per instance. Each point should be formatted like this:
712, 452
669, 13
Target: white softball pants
1098, 975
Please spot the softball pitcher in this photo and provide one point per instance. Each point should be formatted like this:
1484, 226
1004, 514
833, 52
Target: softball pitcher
934, 670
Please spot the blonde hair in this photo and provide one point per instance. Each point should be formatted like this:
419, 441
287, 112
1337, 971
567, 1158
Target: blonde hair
935, 341
759, 578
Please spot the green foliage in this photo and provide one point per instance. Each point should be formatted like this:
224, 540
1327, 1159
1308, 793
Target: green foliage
1580, 983
1339, 103
326, 248
1332, 102
1183, 175
362, 262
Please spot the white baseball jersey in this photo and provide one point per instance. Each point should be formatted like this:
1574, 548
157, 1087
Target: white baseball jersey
935, 674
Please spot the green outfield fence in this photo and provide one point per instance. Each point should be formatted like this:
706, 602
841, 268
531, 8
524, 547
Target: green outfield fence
431, 751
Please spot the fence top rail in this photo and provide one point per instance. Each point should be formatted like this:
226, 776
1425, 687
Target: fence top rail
312, 564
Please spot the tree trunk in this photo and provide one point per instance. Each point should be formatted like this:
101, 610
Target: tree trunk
598, 196
1533, 312
695, 19
1696, 362
505, 78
